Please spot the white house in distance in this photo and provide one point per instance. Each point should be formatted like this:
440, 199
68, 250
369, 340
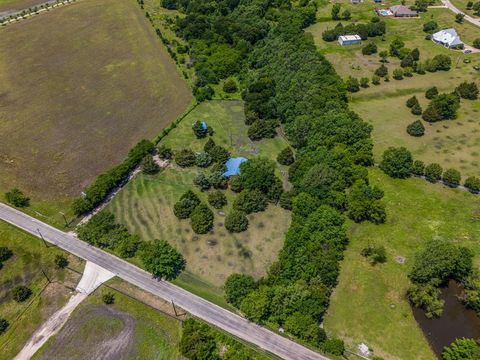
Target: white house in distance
349, 39
448, 38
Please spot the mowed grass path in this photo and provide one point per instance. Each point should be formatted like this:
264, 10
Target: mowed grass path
369, 304
450, 143
25, 268
79, 86
146, 205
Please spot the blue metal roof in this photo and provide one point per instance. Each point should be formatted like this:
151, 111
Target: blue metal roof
233, 166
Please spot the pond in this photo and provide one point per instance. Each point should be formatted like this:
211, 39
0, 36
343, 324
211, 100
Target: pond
457, 321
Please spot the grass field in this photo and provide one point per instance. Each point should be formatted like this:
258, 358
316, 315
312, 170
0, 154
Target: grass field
127, 329
146, 206
73, 102
452, 143
369, 304
15, 5
25, 268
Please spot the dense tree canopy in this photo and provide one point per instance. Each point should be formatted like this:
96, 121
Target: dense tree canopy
161, 259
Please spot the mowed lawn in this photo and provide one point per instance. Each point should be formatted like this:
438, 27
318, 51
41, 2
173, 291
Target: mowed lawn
79, 86
30, 257
16, 5
369, 304
450, 143
146, 205
127, 329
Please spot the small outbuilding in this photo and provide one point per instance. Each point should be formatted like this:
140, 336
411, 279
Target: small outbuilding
233, 166
448, 38
349, 40
403, 11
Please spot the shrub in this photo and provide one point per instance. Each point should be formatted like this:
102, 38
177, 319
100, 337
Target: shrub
416, 128
199, 129
375, 80
397, 162
441, 62
472, 183
236, 184
5, 253
416, 109
433, 172
21, 293
382, 71
236, 221
305, 328
442, 107
364, 82
418, 168
230, 86
476, 43
202, 181
426, 297
352, 84
262, 129
164, 152
237, 286
161, 259
209, 145
149, 166
217, 180
431, 92
217, 199
197, 342
369, 49
333, 346
407, 61
108, 298
250, 201
411, 102
376, 254
17, 198
187, 203
61, 261
285, 157
451, 177
398, 74
201, 219
462, 349
4, 324
286, 200
185, 158
203, 160
430, 26
467, 90
219, 154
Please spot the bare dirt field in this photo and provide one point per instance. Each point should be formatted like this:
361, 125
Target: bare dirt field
79, 86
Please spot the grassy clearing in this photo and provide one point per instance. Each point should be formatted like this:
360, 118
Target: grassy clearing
453, 143
126, 329
369, 304
462, 5
72, 103
146, 207
15, 5
24, 268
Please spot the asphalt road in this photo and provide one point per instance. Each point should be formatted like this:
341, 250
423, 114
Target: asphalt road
471, 19
211, 313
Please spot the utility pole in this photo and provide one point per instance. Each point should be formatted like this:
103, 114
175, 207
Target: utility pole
44, 274
41, 236
174, 309
64, 218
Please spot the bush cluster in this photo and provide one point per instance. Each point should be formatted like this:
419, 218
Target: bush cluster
106, 182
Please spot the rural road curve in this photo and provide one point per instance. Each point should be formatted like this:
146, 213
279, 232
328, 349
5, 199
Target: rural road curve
469, 18
203, 309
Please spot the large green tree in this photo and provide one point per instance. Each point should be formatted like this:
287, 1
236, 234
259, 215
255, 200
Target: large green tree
397, 162
161, 259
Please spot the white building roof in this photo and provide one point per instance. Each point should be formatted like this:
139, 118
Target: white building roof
349, 37
447, 37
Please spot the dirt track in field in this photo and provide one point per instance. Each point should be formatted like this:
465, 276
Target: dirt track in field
78, 340
79, 86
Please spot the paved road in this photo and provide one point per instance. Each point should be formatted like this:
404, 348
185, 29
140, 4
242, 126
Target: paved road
195, 305
474, 21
